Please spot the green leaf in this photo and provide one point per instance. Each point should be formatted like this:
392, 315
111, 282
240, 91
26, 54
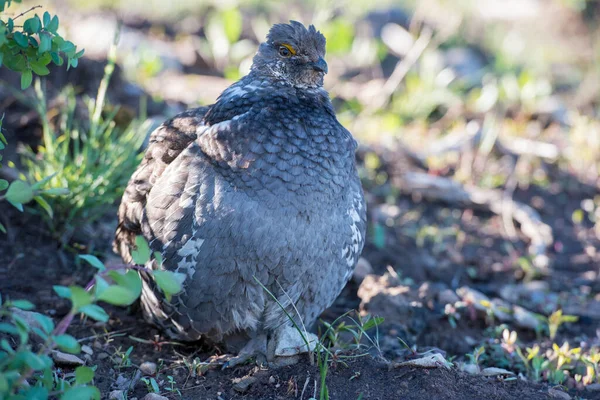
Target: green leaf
118, 296
45, 43
83, 375
167, 281
56, 58
67, 343
100, 286
39, 332
46, 18
154, 385
19, 192
44, 204
67, 46
93, 261
232, 24
57, 191
32, 25
8, 328
34, 361
3, 384
80, 297
95, 312
41, 70
129, 279
45, 322
23, 304
26, 78
21, 39
141, 255
42, 182
158, 258
36, 393
2, 228
3, 184
62, 291
6, 347
81, 393
53, 25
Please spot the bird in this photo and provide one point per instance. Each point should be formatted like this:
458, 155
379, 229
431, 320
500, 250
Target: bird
255, 201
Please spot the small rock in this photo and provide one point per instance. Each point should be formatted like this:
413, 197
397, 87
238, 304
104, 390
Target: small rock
116, 395
447, 296
472, 369
501, 310
102, 356
271, 380
594, 387
242, 385
362, 269
474, 297
28, 316
431, 361
126, 384
290, 343
66, 359
30, 319
154, 396
493, 371
148, 368
87, 349
525, 318
558, 394
122, 382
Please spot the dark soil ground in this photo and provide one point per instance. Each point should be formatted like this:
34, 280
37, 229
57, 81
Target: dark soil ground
30, 263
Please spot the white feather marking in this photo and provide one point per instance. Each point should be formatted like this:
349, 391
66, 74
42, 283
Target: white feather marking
191, 248
350, 252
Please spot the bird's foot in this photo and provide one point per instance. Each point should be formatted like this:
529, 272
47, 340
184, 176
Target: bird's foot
287, 344
282, 349
256, 347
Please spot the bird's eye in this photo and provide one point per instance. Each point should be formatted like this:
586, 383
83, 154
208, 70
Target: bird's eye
285, 51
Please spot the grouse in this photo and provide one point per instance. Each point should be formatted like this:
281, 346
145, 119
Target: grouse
255, 200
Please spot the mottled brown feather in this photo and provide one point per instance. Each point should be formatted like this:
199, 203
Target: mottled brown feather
166, 143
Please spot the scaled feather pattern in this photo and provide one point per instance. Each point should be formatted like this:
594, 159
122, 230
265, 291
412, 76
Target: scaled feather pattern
259, 187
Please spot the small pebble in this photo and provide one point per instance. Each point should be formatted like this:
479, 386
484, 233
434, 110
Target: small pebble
594, 387
242, 385
66, 359
154, 396
87, 349
558, 394
148, 368
116, 395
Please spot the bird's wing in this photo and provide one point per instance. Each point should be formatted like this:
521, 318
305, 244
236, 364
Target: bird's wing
166, 143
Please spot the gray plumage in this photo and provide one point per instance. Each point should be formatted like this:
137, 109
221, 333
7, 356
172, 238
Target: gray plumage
260, 185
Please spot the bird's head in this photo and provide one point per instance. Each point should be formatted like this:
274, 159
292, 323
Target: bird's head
294, 54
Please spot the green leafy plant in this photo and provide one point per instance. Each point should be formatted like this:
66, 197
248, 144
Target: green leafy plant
20, 192
556, 319
30, 47
151, 385
28, 373
94, 158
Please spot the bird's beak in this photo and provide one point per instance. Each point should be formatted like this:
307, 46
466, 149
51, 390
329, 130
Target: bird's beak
320, 65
